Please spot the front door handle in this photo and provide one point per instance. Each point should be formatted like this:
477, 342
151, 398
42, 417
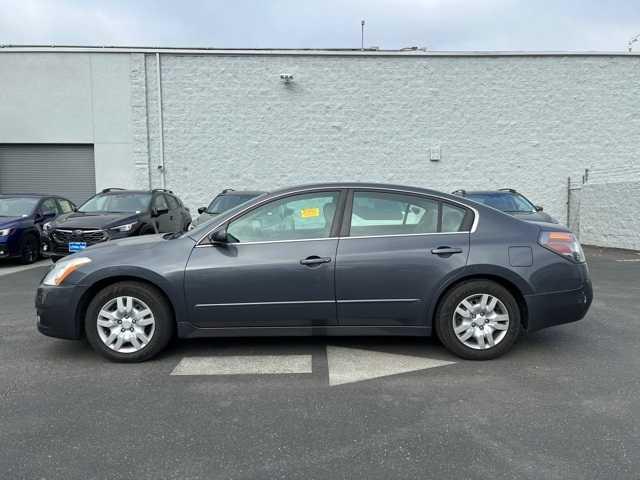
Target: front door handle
445, 250
314, 260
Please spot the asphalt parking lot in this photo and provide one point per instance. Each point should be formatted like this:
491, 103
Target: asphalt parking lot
563, 404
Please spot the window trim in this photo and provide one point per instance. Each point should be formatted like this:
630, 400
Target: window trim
347, 193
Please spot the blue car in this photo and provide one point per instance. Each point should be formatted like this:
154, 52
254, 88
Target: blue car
22, 218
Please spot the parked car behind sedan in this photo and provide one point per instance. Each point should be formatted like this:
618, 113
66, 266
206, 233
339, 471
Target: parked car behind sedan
112, 214
224, 201
21, 220
509, 201
327, 259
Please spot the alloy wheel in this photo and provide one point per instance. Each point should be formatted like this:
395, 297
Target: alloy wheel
125, 324
480, 321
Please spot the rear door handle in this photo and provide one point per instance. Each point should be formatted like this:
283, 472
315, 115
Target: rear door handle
445, 250
314, 260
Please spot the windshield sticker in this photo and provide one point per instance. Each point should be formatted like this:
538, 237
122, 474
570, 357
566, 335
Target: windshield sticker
309, 212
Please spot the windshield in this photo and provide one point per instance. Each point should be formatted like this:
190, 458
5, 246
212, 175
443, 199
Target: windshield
505, 201
222, 203
17, 206
117, 203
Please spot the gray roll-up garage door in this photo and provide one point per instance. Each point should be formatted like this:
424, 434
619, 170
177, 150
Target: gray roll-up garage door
65, 170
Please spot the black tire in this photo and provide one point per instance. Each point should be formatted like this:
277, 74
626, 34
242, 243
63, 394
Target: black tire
157, 303
444, 322
29, 250
147, 230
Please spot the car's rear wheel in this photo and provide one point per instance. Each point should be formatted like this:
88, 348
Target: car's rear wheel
129, 322
30, 250
478, 320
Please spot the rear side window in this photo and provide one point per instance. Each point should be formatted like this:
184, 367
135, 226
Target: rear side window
375, 213
381, 213
452, 218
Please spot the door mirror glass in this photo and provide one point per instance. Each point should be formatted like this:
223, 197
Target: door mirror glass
201, 210
539, 208
296, 217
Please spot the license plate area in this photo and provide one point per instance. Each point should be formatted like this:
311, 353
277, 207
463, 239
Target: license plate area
77, 246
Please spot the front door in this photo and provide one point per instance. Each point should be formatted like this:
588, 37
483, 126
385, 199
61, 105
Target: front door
397, 251
277, 270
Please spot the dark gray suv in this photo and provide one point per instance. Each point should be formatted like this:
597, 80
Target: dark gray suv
330, 259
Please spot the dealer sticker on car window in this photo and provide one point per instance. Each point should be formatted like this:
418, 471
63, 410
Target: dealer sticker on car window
309, 212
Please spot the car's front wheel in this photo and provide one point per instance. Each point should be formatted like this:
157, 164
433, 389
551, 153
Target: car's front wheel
129, 322
29, 250
478, 320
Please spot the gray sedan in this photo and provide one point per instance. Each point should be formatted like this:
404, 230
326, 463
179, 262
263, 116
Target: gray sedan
329, 259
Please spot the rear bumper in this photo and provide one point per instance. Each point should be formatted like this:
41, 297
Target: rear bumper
56, 307
549, 309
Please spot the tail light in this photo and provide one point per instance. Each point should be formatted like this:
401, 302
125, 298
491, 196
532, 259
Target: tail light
563, 243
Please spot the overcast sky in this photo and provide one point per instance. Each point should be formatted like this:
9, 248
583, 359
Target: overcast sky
602, 25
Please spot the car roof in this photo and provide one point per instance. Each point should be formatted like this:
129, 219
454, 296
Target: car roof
371, 185
467, 192
242, 192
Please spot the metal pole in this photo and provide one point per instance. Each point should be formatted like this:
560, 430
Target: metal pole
362, 35
568, 201
160, 121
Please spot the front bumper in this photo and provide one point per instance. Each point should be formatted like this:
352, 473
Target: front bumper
549, 309
56, 312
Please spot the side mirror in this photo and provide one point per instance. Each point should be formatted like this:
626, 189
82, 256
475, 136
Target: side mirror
156, 212
539, 208
201, 210
219, 237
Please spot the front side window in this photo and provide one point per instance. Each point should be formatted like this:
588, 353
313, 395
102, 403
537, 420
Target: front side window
17, 206
49, 207
117, 202
376, 213
297, 217
172, 202
65, 205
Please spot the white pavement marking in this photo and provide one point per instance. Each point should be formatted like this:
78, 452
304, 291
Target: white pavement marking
348, 365
22, 268
244, 365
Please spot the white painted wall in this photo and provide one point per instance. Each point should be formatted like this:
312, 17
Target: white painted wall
526, 122
71, 98
609, 214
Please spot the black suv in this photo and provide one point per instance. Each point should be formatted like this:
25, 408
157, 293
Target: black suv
509, 201
224, 201
115, 213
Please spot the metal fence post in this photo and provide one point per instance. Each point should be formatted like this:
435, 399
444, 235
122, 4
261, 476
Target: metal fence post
568, 201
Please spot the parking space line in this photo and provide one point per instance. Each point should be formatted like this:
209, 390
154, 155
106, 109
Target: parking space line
244, 365
22, 268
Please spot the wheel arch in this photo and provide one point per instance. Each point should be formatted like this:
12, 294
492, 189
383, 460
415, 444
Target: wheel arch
513, 285
89, 293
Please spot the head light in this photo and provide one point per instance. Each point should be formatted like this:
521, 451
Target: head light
124, 228
47, 226
63, 269
5, 232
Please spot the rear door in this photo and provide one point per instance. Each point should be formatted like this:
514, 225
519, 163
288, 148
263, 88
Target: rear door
395, 250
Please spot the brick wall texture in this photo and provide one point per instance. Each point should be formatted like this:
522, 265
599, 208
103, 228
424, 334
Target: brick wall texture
524, 122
